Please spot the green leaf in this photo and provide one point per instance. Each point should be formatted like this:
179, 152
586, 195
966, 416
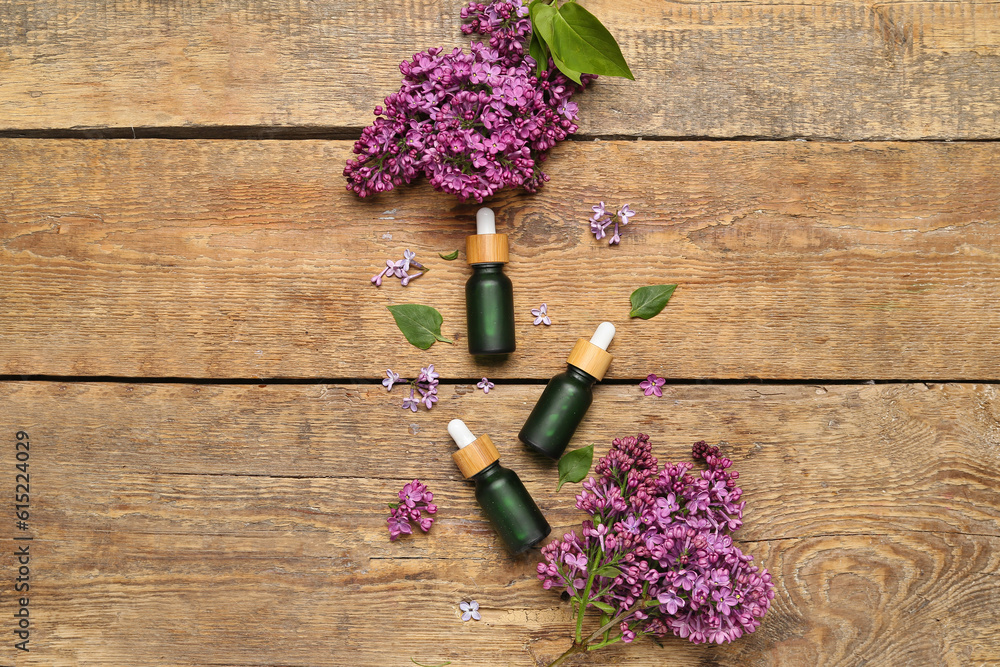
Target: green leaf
450, 256
573, 467
542, 16
650, 300
608, 571
582, 42
605, 607
540, 52
436, 664
420, 324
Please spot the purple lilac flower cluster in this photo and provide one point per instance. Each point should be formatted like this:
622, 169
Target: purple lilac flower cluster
427, 385
413, 498
658, 549
602, 219
399, 269
473, 123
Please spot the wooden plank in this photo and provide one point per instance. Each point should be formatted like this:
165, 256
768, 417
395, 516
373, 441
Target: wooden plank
248, 259
834, 69
193, 524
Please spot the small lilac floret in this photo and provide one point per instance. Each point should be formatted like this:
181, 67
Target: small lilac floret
541, 315
485, 385
426, 385
653, 385
470, 610
390, 380
601, 220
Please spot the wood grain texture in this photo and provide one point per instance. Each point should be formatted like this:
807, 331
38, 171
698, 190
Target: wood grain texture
248, 259
835, 69
183, 524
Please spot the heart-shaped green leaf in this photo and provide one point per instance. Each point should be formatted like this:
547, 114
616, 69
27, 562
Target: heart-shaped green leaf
650, 300
542, 16
583, 44
573, 467
608, 571
539, 52
420, 324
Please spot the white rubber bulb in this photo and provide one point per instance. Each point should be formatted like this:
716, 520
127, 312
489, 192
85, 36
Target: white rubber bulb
460, 433
604, 335
486, 222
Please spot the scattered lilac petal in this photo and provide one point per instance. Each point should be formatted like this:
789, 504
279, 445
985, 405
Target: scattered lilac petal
541, 316
485, 385
470, 609
390, 380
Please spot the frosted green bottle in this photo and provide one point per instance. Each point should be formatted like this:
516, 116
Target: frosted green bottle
567, 396
489, 294
499, 491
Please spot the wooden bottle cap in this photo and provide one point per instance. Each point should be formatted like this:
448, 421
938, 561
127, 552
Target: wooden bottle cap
475, 456
487, 248
589, 358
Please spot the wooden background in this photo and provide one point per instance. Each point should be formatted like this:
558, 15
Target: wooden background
188, 334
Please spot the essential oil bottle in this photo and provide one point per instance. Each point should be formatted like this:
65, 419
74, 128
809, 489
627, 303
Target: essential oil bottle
499, 491
489, 295
567, 396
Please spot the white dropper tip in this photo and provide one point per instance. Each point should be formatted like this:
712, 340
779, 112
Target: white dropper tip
603, 336
486, 222
460, 433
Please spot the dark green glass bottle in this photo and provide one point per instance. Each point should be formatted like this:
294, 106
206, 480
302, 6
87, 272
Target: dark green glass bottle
489, 307
499, 491
567, 396
489, 294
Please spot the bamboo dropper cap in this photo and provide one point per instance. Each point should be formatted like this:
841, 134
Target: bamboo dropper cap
486, 246
474, 454
591, 356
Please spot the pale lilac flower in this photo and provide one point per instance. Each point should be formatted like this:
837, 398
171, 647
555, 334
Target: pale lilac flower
407, 258
601, 220
406, 279
390, 380
427, 386
377, 278
599, 212
541, 315
399, 269
470, 610
485, 385
428, 375
410, 403
652, 385
428, 397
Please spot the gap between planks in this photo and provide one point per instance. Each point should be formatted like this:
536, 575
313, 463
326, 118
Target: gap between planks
755, 382
333, 133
